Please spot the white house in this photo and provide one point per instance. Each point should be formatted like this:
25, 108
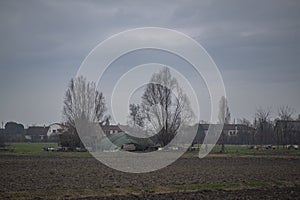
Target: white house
56, 129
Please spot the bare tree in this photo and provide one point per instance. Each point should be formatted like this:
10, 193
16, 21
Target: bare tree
283, 128
263, 115
224, 118
263, 125
83, 102
165, 106
224, 114
285, 113
244, 121
246, 136
136, 116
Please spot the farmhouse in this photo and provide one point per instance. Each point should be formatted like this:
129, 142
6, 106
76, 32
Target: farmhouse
230, 129
235, 133
56, 129
235, 129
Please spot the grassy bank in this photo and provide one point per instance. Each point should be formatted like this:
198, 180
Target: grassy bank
36, 149
25, 148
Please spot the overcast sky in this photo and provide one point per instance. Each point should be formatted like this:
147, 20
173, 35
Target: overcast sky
255, 44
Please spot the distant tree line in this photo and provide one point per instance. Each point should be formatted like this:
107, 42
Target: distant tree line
13, 132
163, 113
164, 108
282, 130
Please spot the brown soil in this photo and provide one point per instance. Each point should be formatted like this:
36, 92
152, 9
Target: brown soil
34, 177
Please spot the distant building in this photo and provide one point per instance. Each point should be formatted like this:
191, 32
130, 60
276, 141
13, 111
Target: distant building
235, 133
36, 133
235, 129
111, 129
56, 129
231, 129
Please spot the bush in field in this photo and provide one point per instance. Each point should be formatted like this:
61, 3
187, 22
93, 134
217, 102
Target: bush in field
70, 140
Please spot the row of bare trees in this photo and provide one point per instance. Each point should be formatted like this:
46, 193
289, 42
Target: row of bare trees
282, 130
164, 108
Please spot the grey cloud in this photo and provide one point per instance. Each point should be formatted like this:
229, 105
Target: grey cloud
249, 40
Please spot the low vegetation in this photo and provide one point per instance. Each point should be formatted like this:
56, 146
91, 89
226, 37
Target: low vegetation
230, 150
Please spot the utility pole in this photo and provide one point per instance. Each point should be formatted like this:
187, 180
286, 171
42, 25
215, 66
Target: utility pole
2, 125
